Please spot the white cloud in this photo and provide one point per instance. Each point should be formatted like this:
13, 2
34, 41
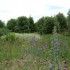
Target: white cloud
35, 8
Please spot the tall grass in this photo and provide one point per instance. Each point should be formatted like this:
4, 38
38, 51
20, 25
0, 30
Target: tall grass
28, 52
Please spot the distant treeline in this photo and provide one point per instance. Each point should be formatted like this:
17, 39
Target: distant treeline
44, 25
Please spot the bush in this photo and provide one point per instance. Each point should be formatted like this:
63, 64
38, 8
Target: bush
10, 37
3, 31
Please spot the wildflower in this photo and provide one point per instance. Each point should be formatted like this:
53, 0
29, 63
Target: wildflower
55, 50
65, 68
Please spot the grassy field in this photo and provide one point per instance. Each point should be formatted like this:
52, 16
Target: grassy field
31, 51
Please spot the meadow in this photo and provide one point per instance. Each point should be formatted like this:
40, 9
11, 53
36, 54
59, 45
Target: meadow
31, 51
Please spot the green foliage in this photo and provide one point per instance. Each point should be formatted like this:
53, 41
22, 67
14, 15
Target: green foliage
23, 24
56, 23
10, 37
68, 13
3, 31
43, 26
31, 54
40, 24
1, 24
17, 29
62, 21
19, 51
49, 25
46, 24
25, 29
11, 25
68, 20
21, 21
31, 24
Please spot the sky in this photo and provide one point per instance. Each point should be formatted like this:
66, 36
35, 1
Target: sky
35, 8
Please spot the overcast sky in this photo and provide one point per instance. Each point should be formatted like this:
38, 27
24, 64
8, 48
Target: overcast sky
35, 8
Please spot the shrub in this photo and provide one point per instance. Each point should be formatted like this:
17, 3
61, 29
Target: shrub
3, 31
10, 37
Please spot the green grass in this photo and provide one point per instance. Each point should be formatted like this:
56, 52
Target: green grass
18, 54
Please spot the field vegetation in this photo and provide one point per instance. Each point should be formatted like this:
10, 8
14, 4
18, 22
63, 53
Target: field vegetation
41, 45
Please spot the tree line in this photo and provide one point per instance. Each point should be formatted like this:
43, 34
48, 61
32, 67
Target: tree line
44, 25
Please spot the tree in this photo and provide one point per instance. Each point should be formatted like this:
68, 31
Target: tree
68, 13
68, 20
26, 29
62, 21
22, 23
3, 29
57, 24
32, 25
40, 24
11, 25
2, 24
49, 25
17, 29
45, 25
